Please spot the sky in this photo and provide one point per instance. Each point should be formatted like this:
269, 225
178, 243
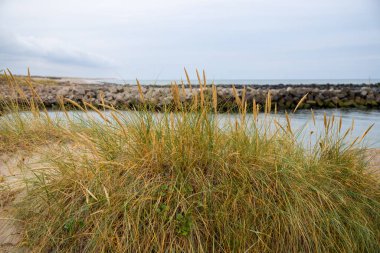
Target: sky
150, 39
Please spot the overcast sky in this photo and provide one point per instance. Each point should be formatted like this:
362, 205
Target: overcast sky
151, 39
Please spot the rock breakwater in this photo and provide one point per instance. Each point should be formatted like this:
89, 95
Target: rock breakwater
283, 96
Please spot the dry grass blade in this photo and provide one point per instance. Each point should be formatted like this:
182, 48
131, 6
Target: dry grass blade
75, 104
188, 80
199, 79
97, 111
300, 102
214, 98
204, 79
119, 123
175, 93
107, 195
289, 126
255, 110
201, 94
268, 103
183, 89
243, 95
366, 132
141, 94
278, 125
236, 95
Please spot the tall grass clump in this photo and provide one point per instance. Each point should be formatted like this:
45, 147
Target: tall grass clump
185, 180
20, 129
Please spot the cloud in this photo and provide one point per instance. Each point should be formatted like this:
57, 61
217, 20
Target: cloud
49, 49
231, 39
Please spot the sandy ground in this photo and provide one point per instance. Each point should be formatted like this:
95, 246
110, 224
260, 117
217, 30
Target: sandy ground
15, 167
374, 159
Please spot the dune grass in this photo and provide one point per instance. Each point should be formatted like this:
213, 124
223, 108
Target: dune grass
180, 181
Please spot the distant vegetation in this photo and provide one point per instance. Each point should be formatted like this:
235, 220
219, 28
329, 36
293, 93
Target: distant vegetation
14, 80
178, 181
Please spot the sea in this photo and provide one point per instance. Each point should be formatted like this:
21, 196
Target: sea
242, 81
302, 119
302, 123
361, 119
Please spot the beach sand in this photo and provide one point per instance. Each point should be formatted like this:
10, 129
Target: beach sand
14, 168
374, 160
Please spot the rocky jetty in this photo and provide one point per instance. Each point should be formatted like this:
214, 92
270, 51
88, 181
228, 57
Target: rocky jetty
283, 96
